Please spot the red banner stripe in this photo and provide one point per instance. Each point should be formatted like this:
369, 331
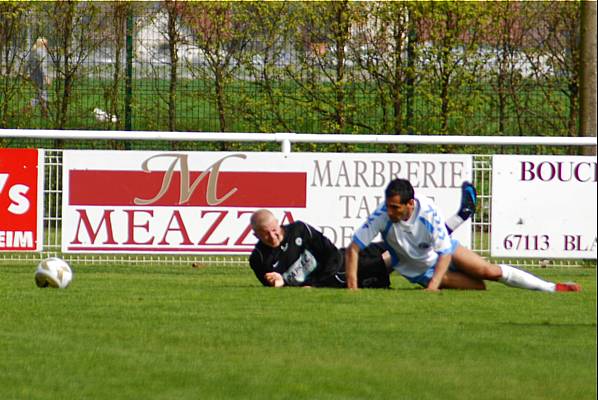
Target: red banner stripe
121, 188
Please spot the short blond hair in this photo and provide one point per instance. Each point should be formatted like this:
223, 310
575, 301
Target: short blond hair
260, 217
41, 42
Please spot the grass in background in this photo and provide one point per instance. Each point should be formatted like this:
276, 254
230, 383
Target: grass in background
249, 108
174, 332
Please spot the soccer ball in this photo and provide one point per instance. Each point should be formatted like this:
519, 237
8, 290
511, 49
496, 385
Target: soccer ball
53, 272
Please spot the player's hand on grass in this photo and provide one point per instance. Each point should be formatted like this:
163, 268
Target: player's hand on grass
274, 279
433, 286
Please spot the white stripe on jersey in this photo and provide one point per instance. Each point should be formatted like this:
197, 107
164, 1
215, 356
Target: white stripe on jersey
415, 244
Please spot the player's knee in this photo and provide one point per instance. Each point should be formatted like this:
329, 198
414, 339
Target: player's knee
479, 285
492, 273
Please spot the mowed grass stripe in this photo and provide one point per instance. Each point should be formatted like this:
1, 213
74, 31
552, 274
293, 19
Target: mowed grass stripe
174, 332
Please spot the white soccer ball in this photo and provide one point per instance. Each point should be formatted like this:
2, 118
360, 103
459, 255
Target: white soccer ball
53, 272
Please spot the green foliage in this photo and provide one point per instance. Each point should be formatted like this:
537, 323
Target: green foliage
13, 19
314, 67
163, 332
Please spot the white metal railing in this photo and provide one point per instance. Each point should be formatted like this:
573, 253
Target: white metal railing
482, 171
287, 138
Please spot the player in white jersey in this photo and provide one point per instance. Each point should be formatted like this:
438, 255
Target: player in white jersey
414, 232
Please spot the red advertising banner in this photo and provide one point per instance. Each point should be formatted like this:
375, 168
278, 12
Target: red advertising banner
21, 212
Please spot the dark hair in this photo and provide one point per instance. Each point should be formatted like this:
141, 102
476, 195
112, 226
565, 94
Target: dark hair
401, 187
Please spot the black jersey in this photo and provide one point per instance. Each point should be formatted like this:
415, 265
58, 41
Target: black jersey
304, 258
308, 258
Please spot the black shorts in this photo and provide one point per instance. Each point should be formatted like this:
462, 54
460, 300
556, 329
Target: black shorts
371, 270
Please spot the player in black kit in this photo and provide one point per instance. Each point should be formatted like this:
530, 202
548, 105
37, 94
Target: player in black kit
297, 254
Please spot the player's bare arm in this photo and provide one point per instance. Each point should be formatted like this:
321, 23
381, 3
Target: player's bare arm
441, 268
351, 257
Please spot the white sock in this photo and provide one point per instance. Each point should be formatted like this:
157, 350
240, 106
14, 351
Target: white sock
514, 277
454, 222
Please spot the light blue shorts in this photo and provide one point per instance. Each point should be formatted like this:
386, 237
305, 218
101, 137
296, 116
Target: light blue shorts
424, 279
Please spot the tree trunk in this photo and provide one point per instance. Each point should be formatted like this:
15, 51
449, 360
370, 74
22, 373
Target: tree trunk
588, 73
172, 43
397, 81
342, 31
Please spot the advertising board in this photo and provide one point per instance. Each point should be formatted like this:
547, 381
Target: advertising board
21, 199
201, 202
544, 206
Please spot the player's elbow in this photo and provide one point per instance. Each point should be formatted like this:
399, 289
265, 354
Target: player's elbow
351, 258
352, 251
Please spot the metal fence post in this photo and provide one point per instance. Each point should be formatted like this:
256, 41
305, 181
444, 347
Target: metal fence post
285, 142
129, 78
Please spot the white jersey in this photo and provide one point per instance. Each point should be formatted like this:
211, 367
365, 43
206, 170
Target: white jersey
415, 244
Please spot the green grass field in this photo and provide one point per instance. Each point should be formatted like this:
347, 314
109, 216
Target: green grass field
175, 332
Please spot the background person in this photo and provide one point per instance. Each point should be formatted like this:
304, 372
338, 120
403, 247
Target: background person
38, 72
422, 250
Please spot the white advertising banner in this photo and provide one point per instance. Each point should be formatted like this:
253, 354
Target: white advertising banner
544, 206
200, 202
